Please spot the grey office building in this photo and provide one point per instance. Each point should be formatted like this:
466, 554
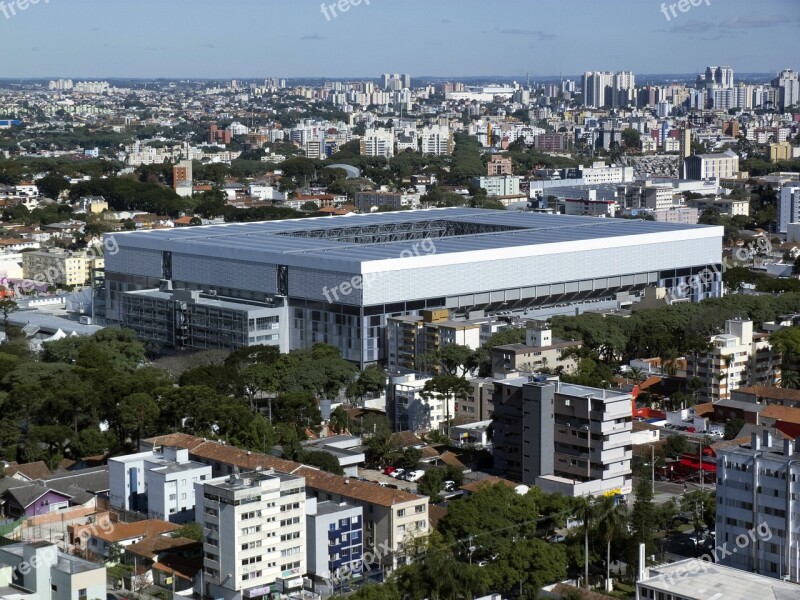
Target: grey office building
337, 279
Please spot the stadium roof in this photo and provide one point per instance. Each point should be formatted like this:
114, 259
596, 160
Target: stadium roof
384, 236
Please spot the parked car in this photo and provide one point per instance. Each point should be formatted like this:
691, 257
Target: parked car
389, 470
556, 538
449, 486
397, 473
414, 476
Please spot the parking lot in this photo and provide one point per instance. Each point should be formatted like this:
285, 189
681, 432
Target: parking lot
378, 477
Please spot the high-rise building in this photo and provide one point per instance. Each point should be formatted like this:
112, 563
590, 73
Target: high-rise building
254, 534
607, 88
436, 140
736, 358
378, 142
564, 438
788, 84
758, 507
788, 206
722, 76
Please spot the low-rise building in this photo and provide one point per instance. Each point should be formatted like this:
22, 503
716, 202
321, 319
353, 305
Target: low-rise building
158, 484
393, 519
60, 267
724, 205
335, 539
693, 579
540, 351
40, 571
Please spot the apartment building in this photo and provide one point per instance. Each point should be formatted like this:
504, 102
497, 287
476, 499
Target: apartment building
565, 438
254, 534
411, 336
498, 185
158, 484
540, 350
40, 570
478, 405
599, 173
737, 358
378, 142
60, 267
712, 166
335, 539
758, 491
394, 520
436, 140
410, 410
788, 206
724, 205
684, 216
366, 201
498, 165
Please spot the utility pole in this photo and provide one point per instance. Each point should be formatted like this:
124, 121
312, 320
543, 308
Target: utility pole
653, 466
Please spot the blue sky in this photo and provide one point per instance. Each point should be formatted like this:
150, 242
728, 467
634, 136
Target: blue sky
293, 38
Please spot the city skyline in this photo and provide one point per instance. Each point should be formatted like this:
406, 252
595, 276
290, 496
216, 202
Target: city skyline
307, 38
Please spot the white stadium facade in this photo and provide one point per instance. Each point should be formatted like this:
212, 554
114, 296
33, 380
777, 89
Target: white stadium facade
335, 280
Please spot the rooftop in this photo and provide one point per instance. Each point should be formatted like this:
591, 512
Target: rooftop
382, 236
684, 579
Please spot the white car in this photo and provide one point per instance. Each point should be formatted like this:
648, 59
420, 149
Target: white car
397, 473
414, 476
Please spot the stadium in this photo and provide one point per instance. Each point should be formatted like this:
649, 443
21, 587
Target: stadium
335, 280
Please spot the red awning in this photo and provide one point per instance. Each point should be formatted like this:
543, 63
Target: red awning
695, 465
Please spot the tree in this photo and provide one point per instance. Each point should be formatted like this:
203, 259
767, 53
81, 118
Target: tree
790, 380
410, 458
676, 445
643, 516
340, 420
192, 531
610, 519
322, 460
445, 387
732, 428
631, 139
7, 306
138, 413
309, 206
454, 358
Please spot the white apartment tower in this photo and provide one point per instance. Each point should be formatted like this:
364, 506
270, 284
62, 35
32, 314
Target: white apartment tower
788, 206
254, 534
378, 142
758, 507
736, 358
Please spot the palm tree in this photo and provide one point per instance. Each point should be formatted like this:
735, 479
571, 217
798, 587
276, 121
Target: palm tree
790, 380
583, 506
637, 374
610, 518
